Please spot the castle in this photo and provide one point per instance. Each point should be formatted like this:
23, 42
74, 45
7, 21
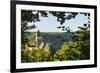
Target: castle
39, 43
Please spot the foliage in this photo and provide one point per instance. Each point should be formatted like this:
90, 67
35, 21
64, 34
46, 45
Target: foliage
76, 49
35, 16
83, 38
35, 55
68, 51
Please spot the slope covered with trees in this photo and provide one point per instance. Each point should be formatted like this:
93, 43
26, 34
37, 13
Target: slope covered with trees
77, 48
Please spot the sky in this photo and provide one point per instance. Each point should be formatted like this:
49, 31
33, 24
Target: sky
50, 23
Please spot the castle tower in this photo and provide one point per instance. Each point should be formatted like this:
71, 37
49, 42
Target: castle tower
36, 37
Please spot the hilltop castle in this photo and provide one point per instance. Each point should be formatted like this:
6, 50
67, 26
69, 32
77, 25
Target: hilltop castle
39, 43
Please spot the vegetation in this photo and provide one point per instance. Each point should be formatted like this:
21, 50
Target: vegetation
53, 46
78, 49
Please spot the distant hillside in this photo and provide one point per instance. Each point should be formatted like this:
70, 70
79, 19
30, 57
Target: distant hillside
56, 38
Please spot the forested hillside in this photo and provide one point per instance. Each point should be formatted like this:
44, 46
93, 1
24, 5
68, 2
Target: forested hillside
54, 36
64, 46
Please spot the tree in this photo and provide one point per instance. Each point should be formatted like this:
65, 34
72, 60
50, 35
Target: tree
79, 49
82, 37
35, 16
68, 51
